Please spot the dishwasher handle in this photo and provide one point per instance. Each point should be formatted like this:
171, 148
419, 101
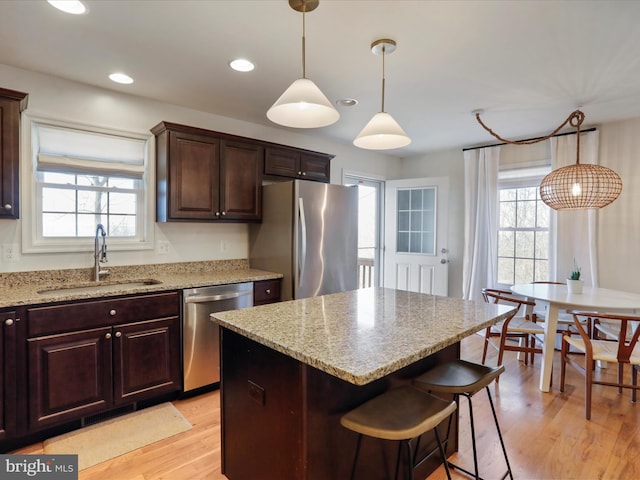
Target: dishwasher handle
216, 298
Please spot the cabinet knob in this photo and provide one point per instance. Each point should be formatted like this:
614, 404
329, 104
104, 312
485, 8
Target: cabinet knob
304, 173
118, 334
224, 213
299, 173
107, 336
112, 312
8, 322
268, 291
7, 206
217, 214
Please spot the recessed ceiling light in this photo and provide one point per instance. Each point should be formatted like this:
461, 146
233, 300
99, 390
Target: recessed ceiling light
121, 78
75, 7
347, 102
241, 65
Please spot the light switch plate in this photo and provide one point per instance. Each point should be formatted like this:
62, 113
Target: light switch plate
11, 252
163, 247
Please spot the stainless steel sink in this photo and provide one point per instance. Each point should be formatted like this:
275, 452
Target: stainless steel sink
99, 287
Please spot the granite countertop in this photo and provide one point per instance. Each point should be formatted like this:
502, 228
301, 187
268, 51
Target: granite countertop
362, 335
32, 288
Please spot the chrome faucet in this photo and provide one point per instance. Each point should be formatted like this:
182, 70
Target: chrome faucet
99, 255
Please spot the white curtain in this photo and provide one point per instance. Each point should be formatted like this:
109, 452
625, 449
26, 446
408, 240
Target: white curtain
481, 221
575, 229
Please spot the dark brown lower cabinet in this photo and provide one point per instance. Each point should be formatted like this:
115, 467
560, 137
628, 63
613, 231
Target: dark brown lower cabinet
76, 373
281, 417
8, 392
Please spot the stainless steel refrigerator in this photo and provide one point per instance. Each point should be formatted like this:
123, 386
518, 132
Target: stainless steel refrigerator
309, 233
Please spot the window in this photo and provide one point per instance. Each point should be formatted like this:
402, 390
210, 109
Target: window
523, 231
416, 215
83, 177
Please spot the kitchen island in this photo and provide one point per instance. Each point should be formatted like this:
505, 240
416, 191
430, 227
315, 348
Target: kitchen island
290, 370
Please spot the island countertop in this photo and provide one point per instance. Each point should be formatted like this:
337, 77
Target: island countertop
362, 335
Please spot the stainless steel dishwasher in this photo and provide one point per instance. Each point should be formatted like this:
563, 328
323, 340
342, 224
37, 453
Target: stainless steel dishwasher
200, 338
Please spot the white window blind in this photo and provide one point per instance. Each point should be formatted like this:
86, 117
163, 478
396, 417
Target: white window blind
65, 150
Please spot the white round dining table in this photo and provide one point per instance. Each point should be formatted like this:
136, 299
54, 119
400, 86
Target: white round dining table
591, 299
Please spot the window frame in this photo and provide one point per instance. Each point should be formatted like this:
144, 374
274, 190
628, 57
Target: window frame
522, 177
32, 239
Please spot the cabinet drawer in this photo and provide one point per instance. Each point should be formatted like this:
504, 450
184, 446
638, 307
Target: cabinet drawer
89, 314
266, 291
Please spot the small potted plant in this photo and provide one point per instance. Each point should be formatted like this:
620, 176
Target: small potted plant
574, 284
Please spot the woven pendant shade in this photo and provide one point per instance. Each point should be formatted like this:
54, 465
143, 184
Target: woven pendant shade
580, 186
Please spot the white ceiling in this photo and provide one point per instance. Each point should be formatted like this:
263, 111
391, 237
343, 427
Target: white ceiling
527, 64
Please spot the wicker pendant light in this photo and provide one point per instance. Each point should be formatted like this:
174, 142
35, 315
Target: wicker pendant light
577, 186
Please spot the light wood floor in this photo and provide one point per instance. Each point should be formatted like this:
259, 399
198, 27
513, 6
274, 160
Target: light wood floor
546, 434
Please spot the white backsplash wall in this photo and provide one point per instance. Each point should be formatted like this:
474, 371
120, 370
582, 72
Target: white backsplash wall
56, 98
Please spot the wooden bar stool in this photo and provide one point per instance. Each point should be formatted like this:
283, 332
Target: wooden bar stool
460, 377
403, 414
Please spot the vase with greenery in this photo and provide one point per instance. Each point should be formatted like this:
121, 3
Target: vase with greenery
574, 284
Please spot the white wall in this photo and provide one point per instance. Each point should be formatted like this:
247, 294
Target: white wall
618, 236
619, 222
60, 99
445, 163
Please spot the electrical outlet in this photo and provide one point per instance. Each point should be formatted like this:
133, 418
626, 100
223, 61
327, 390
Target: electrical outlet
163, 247
11, 252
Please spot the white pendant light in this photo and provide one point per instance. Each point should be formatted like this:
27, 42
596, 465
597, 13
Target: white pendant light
303, 105
382, 132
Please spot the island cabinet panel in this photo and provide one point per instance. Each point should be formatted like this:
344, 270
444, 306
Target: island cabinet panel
128, 351
262, 400
11, 104
294, 163
284, 416
8, 368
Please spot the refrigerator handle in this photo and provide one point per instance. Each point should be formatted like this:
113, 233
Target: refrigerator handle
302, 256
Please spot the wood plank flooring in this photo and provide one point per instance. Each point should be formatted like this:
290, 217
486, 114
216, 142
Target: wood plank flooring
546, 434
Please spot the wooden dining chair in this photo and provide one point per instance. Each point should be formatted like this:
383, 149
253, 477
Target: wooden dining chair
622, 349
518, 326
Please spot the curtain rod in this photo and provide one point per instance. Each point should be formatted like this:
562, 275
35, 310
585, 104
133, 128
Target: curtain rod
593, 129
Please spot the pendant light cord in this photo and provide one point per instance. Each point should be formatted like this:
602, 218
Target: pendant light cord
575, 120
304, 68
383, 52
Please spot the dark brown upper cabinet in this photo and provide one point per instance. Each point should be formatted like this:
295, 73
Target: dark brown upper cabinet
11, 104
206, 176
294, 163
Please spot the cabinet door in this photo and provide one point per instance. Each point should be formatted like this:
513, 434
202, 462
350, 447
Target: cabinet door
146, 360
314, 167
241, 174
10, 107
194, 177
69, 376
8, 393
282, 162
